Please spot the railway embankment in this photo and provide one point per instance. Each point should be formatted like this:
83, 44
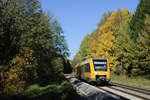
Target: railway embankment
87, 91
114, 91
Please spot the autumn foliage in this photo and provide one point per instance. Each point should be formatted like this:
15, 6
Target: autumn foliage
122, 38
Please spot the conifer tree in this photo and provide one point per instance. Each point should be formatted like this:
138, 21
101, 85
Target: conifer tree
143, 41
137, 21
127, 47
126, 53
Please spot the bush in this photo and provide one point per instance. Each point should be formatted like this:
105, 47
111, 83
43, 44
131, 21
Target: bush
64, 91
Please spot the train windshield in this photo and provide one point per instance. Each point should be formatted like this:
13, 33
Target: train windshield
100, 65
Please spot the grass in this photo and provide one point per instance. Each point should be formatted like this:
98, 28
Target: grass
132, 81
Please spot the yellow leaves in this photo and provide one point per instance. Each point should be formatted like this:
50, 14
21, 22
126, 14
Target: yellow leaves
111, 24
126, 16
24, 61
11, 88
13, 76
124, 12
103, 39
107, 47
147, 21
106, 42
112, 18
104, 46
21, 69
29, 54
14, 81
107, 39
17, 60
93, 44
93, 48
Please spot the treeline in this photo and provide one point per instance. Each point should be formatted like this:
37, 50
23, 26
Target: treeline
123, 38
32, 50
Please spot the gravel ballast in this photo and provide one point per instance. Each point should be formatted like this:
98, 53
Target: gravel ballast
87, 91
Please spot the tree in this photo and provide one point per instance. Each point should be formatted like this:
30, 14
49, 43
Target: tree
85, 48
67, 65
76, 59
126, 53
93, 45
103, 39
10, 20
31, 43
108, 34
137, 22
143, 41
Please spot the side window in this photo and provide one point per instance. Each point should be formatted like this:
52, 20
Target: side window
87, 67
78, 70
82, 70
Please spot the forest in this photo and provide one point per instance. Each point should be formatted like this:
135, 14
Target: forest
123, 38
33, 53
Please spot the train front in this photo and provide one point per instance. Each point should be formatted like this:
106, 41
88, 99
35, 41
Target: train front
101, 70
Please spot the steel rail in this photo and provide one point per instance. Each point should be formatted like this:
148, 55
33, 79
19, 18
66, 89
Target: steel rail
113, 94
141, 97
137, 89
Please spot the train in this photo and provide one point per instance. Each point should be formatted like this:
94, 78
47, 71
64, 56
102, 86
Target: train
93, 70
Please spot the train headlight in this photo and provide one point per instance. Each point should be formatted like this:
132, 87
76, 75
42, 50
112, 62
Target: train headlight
95, 72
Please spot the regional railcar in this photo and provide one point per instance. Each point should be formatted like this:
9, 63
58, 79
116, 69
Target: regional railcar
93, 70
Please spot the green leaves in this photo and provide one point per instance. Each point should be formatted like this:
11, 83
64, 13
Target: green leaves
137, 21
133, 40
126, 48
144, 45
31, 43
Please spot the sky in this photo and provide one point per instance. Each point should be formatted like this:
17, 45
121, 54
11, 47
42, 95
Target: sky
80, 17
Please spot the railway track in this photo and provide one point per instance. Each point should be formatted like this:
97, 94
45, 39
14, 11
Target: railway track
138, 89
114, 90
125, 92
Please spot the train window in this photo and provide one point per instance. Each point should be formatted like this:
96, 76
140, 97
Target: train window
81, 69
78, 70
87, 67
100, 65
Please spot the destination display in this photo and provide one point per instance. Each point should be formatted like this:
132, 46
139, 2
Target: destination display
96, 62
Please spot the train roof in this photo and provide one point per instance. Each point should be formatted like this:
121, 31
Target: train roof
85, 62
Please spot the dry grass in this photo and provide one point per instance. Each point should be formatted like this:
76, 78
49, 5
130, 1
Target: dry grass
133, 81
